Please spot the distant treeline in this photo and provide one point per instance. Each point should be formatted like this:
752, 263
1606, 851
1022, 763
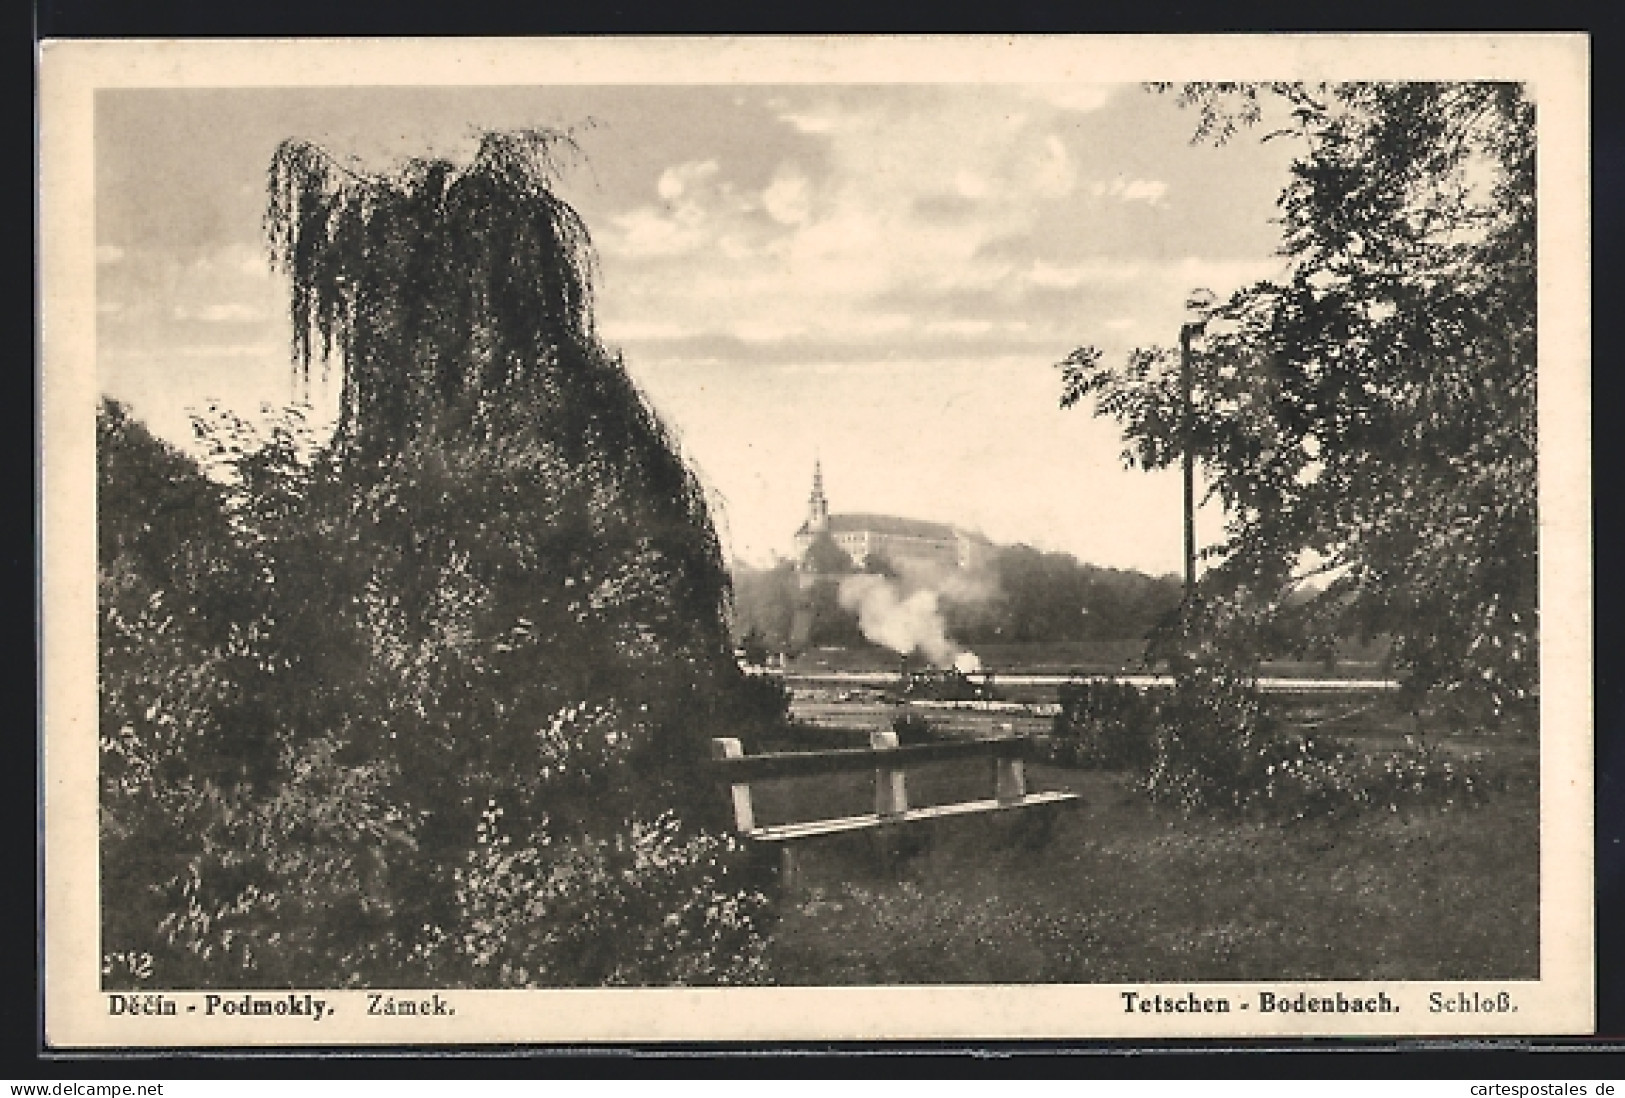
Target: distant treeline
1024, 594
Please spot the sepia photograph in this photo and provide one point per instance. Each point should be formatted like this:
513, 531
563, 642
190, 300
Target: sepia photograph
863, 539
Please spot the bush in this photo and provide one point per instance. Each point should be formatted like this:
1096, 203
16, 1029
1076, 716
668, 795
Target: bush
1209, 730
657, 905
1218, 748
758, 709
1103, 725
1305, 778
301, 725
238, 842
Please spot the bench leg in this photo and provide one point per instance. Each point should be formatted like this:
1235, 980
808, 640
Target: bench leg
883, 846
789, 869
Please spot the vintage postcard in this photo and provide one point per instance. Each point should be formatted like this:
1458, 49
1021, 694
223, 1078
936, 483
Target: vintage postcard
835, 538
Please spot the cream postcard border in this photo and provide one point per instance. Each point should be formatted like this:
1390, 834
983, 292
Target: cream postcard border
76, 1012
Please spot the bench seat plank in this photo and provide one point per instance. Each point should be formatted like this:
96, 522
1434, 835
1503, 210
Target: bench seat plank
782, 833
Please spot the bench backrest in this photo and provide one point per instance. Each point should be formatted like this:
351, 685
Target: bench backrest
888, 760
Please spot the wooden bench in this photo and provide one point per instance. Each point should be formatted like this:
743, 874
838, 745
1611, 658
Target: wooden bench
890, 763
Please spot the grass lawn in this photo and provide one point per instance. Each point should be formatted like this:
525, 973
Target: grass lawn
1127, 892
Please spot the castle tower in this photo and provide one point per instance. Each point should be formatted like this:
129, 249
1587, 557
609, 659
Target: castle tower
817, 505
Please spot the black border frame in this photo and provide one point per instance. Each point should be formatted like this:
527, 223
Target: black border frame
23, 1049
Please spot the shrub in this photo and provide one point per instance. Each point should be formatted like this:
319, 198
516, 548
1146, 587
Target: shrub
758, 711
1304, 777
1219, 748
655, 905
236, 842
1103, 725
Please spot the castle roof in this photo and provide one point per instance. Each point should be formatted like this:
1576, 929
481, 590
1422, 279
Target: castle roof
890, 525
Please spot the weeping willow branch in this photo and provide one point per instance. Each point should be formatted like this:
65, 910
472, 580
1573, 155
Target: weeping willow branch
433, 282
457, 301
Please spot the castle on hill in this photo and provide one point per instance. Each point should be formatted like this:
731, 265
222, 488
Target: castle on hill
899, 540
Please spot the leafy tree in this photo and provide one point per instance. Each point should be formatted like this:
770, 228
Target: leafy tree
879, 564
1053, 597
825, 558
829, 623
1369, 422
765, 602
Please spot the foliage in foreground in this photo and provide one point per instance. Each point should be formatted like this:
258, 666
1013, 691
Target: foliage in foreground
1219, 747
1103, 725
1214, 744
432, 703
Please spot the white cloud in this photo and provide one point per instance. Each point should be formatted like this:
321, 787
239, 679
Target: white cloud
646, 233
698, 209
1146, 190
872, 222
1149, 191
810, 123
915, 197
681, 179
788, 199
819, 120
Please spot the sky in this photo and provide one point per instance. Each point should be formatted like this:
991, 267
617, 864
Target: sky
880, 278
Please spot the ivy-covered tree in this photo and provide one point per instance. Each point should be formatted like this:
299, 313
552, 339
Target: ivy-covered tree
1368, 422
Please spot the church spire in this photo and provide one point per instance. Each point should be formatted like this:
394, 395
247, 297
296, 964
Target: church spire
817, 505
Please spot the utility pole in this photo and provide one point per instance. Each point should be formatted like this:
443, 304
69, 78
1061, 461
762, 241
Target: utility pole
1187, 458
1198, 303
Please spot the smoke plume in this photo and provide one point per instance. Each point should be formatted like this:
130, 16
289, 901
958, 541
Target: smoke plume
905, 614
